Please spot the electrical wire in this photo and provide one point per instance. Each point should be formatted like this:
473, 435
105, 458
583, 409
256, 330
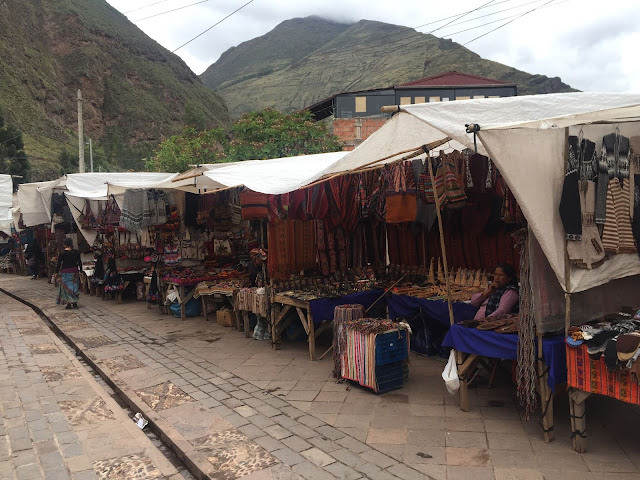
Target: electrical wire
169, 11
461, 16
421, 39
145, 6
215, 24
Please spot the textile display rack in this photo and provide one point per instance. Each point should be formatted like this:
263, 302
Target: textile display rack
372, 352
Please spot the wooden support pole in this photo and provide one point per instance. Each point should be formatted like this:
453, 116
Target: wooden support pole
464, 383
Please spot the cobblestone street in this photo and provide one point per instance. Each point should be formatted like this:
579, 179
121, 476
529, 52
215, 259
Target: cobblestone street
234, 408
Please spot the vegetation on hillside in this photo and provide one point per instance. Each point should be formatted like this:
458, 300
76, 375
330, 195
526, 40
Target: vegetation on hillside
255, 136
303, 68
13, 159
135, 92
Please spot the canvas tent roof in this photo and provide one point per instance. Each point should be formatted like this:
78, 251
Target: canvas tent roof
525, 137
6, 203
95, 185
275, 176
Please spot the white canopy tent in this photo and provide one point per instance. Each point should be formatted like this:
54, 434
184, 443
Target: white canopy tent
525, 137
6, 203
274, 176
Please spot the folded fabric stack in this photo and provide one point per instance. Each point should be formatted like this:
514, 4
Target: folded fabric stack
616, 339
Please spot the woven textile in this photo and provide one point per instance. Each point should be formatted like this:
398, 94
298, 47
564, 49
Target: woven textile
135, 214
617, 236
341, 314
254, 205
248, 300
592, 376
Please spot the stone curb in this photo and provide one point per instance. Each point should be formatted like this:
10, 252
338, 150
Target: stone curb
194, 460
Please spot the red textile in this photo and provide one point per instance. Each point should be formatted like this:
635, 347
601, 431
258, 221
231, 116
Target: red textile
254, 205
592, 376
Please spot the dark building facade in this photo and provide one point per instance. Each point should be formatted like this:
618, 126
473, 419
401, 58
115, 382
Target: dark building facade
357, 114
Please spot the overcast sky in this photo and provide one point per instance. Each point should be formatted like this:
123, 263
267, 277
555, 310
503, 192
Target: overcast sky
592, 45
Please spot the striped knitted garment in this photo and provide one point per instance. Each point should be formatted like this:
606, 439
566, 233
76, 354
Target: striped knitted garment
617, 236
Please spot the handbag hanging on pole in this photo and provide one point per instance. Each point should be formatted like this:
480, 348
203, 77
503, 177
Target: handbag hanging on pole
112, 212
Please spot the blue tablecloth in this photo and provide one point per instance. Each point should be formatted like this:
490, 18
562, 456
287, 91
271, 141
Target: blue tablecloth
499, 345
405, 306
322, 309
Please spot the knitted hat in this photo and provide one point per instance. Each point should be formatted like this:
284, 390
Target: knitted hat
611, 355
599, 341
627, 346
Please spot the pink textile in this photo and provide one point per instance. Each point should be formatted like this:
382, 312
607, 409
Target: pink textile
508, 300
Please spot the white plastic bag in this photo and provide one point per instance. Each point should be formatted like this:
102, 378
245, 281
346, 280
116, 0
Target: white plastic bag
450, 374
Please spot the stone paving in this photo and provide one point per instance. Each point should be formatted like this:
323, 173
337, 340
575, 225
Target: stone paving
56, 421
285, 417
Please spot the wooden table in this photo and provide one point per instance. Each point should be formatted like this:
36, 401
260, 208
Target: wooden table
183, 297
282, 304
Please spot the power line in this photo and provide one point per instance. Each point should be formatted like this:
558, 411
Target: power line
217, 23
145, 6
169, 11
493, 30
461, 16
548, 4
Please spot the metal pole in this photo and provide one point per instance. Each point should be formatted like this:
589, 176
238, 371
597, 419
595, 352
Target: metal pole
80, 135
91, 154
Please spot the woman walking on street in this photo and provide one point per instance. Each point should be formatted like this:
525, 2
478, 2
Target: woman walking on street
68, 268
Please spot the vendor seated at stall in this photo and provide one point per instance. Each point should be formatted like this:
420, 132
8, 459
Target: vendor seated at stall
501, 297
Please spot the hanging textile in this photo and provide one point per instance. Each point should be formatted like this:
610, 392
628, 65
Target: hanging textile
425, 212
281, 259
135, 214
401, 194
305, 245
254, 205
342, 314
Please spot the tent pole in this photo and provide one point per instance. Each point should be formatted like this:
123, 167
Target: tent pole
567, 263
464, 390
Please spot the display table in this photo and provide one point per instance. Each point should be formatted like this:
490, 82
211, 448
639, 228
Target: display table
436, 309
207, 289
316, 315
552, 367
183, 296
587, 376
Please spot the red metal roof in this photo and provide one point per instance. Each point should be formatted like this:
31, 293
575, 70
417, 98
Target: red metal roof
454, 79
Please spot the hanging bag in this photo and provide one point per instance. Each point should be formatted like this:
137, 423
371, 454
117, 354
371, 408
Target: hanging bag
112, 212
450, 374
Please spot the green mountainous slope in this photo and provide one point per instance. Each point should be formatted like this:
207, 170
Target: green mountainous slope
135, 91
311, 58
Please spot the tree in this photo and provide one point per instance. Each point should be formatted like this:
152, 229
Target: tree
271, 134
68, 162
255, 136
13, 159
176, 153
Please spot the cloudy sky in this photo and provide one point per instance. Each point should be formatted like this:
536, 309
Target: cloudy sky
592, 45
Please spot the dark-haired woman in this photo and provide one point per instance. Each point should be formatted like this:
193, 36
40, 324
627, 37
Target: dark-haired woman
501, 297
68, 267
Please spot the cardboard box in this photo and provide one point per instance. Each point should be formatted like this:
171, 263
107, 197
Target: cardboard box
226, 318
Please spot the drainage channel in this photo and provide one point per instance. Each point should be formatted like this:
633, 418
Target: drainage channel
155, 439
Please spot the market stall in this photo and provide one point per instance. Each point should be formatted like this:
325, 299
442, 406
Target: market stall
528, 139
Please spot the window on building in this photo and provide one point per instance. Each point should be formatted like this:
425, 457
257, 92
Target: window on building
478, 96
493, 96
420, 100
361, 104
445, 99
405, 100
463, 98
434, 99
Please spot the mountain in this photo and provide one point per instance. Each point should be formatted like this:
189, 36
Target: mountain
304, 60
135, 91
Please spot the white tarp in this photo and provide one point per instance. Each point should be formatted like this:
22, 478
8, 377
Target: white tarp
95, 185
30, 201
524, 136
275, 176
6, 203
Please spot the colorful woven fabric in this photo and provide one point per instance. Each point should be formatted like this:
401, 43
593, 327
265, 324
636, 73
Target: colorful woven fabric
248, 300
592, 376
401, 194
342, 314
254, 205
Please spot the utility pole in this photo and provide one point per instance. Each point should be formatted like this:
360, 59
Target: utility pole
80, 135
91, 155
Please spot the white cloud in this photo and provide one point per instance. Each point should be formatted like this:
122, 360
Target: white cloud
589, 47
